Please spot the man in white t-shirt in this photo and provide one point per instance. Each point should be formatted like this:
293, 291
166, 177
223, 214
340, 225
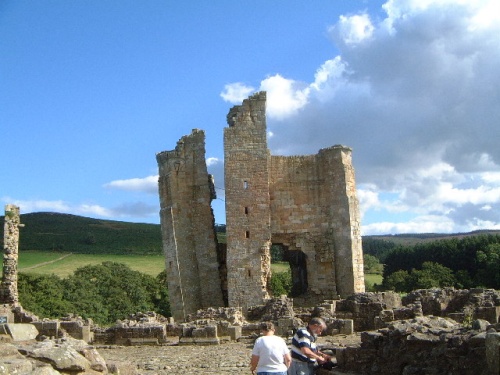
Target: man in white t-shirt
270, 355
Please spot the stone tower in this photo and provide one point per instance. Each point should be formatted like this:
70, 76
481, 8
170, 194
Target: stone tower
8, 288
306, 204
248, 208
187, 223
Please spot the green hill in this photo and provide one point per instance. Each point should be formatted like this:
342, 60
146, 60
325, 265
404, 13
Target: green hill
48, 231
70, 233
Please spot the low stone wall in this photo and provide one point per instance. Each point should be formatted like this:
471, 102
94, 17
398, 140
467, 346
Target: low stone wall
425, 345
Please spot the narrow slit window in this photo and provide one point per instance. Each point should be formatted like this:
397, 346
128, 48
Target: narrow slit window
245, 185
247, 234
246, 210
249, 272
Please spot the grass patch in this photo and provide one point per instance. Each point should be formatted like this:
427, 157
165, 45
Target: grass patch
64, 264
373, 278
279, 267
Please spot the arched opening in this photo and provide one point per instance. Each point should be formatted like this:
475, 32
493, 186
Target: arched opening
296, 261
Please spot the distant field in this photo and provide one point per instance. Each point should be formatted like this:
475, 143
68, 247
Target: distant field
373, 278
64, 264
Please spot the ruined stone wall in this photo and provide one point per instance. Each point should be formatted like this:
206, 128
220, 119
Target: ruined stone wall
314, 209
187, 224
307, 203
8, 288
247, 203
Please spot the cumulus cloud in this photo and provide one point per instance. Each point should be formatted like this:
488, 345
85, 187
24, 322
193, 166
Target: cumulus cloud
354, 29
147, 184
415, 94
235, 92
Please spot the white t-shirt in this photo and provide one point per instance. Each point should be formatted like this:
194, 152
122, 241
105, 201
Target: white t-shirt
271, 351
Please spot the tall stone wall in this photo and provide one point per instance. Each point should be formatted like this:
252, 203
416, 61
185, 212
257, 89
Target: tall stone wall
8, 288
187, 223
308, 204
248, 214
314, 209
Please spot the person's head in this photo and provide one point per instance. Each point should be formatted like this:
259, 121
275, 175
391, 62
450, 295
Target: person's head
267, 327
316, 326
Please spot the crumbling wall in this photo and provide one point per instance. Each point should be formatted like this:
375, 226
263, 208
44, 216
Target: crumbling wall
307, 204
248, 217
8, 288
187, 224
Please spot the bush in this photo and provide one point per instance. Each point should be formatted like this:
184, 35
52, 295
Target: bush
281, 283
105, 293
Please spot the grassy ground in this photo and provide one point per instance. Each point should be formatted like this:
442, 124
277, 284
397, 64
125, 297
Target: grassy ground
64, 264
373, 278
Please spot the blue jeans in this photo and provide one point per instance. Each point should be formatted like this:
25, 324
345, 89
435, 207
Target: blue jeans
301, 368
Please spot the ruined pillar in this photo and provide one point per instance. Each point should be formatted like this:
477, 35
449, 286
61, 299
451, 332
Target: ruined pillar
248, 217
187, 225
8, 289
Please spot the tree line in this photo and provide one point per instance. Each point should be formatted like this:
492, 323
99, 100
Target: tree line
104, 293
461, 263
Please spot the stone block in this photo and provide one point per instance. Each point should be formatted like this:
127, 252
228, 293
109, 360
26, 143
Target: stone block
346, 327
21, 331
491, 314
49, 329
493, 352
211, 331
234, 332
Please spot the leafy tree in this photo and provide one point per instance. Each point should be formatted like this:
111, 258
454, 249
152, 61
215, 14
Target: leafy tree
398, 281
488, 261
372, 264
277, 253
43, 295
431, 275
105, 293
162, 302
117, 291
281, 283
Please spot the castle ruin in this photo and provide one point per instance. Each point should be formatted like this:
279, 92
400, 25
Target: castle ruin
305, 204
8, 288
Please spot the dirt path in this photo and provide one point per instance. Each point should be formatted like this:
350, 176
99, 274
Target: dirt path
225, 359
45, 263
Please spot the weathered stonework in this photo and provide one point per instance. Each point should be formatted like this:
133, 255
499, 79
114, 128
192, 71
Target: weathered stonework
8, 288
187, 224
306, 204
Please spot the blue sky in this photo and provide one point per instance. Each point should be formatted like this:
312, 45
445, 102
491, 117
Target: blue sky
91, 90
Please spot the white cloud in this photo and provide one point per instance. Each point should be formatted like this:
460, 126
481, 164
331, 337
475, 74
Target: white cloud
236, 92
212, 161
355, 29
128, 210
284, 96
26, 206
147, 184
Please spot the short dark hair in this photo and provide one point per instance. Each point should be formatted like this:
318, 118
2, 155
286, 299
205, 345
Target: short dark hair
267, 326
317, 322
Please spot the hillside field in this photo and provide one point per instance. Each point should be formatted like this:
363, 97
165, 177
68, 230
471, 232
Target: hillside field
64, 264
